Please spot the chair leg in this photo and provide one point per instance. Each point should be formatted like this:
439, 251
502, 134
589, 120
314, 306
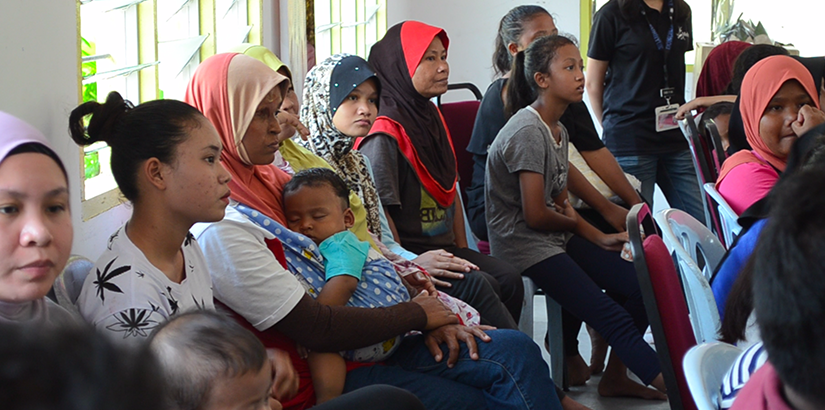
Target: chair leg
525, 323
556, 341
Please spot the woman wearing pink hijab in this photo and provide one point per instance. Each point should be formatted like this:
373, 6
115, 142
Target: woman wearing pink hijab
779, 102
35, 224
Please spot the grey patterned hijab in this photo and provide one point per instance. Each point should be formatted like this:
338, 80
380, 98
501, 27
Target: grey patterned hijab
327, 85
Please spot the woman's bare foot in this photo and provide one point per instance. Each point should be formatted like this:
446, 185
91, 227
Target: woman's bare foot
569, 404
577, 370
615, 383
598, 351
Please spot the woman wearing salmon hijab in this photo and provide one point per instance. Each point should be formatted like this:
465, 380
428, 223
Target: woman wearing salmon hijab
778, 102
412, 154
241, 97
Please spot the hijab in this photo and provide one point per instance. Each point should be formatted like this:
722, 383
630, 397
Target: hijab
759, 86
227, 89
263, 55
409, 117
326, 87
717, 71
15, 132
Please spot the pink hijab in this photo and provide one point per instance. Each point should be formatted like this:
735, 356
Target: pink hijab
759, 86
227, 89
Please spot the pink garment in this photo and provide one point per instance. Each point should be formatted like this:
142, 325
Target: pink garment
762, 392
747, 183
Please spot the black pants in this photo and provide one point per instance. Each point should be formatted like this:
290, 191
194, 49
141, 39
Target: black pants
504, 279
376, 397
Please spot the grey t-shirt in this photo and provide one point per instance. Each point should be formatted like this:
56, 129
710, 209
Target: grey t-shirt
524, 144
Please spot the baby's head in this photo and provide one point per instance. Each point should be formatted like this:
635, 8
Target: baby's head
210, 362
316, 204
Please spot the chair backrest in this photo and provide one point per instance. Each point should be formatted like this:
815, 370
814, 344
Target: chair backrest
678, 235
719, 156
68, 284
460, 118
665, 303
705, 367
700, 158
728, 224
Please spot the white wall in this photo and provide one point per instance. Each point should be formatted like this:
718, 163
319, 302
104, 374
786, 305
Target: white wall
472, 26
39, 83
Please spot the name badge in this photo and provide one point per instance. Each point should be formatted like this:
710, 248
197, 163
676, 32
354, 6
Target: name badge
666, 117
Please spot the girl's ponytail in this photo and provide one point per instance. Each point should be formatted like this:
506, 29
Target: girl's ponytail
519, 92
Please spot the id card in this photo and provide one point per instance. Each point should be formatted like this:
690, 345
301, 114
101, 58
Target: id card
666, 117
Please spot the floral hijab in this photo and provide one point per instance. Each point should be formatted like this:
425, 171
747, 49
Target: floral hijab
326, 86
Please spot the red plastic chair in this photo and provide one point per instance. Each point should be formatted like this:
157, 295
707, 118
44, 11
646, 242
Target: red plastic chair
665, 304
459, 118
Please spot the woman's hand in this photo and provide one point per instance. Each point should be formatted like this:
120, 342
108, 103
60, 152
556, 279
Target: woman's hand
808, 118
612, 242
568, 210
442, 264
452, 335
285, 378
702, 102
437, 314
421, 282
293, 120
616, 216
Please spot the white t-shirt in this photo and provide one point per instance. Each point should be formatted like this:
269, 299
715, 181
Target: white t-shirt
246, 277
126, 297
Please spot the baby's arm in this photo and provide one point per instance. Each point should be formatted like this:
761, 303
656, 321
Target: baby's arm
338, 290
344, 259
329, 372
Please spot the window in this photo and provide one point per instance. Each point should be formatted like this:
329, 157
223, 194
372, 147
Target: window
794, 22
348, 26
145, 50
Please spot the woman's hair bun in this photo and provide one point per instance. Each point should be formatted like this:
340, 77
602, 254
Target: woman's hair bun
103, 122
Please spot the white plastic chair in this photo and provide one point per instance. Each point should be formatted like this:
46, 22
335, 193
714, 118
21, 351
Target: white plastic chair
68, 284
705, 366
704, 315
703, 246
727, 218
554, 328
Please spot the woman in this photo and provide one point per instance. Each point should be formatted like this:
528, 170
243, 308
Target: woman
635, 81
165, 159
249, 279
412, 155
36, 224
778, 102
336, 117
527, 208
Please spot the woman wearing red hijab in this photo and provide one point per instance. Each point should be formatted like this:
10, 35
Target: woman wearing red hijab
412, 154
778, 102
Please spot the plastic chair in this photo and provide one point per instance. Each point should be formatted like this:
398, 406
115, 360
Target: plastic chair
554, 329
665, 303
719, 156
729, 226
700, 156
459, 118
68, 284
680, 231
705, 367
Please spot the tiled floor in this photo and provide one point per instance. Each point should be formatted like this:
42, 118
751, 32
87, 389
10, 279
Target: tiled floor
588, 394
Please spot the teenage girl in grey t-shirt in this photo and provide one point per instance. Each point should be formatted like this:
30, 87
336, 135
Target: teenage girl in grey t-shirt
532, 225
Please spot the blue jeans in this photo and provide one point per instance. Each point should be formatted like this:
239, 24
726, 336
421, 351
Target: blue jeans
676, 176
510, 374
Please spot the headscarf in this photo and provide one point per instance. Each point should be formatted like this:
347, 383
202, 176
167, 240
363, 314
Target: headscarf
759, 86
15, 132
326, 86
227, 89
717, 70
409, 117
263, 55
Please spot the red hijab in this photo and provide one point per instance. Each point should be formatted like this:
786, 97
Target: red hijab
718, 68
227, 89
407, 116
759, 86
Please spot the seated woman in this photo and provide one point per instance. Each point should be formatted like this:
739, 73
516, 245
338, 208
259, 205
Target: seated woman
166, 161
36, 224
412, 154
336, 119
251, 281
779, 102
527, 208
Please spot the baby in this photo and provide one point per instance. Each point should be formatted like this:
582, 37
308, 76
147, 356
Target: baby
316, 204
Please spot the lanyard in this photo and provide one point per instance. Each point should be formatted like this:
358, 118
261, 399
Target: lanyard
665, 48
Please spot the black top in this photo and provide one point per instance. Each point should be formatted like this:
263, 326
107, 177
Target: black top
635, 75
489, 121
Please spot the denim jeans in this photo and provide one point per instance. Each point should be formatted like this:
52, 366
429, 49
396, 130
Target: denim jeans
509, 374
676, 176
